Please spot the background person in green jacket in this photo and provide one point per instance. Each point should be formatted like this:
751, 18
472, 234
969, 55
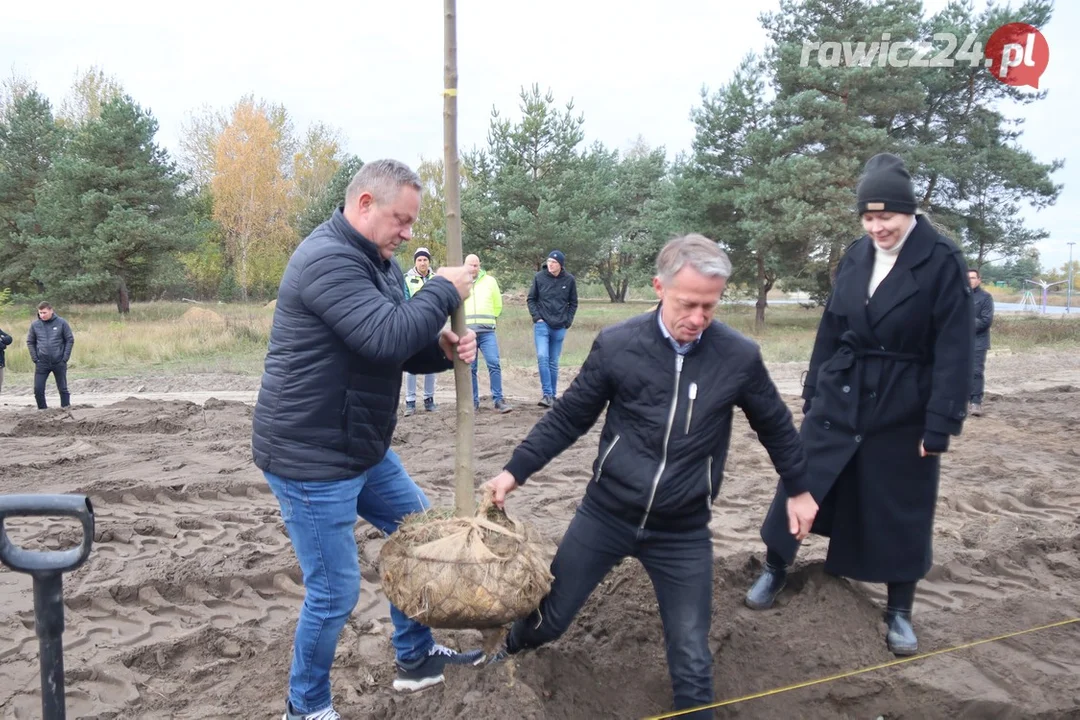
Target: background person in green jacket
482, 309
415, 279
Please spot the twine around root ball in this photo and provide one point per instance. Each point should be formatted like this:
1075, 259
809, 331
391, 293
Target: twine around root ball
451, 572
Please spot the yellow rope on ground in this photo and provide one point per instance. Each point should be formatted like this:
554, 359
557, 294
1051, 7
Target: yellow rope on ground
852, 673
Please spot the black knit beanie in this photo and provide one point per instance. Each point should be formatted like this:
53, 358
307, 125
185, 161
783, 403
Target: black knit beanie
886, 186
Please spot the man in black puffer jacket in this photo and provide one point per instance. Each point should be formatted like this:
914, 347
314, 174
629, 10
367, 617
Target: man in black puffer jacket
5, 340
670, 380
50, 341
984, 319
341, 337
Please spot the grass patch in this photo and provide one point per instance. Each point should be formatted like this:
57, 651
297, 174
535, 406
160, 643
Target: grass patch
159, 337
173, 338
1022, 332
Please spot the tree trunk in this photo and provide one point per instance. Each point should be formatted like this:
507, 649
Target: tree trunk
764, 285
464, 480
243, 279
123, 300
835, 252
609, 286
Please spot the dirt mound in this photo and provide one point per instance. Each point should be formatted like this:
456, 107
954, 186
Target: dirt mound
165, 384
129, 416
202, 316
823, 626
187, 605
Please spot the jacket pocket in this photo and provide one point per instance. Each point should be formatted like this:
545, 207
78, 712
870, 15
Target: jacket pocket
604, 457
691, 394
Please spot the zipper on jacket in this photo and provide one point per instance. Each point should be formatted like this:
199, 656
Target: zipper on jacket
692, 394
603, 458
708, 483
667, 436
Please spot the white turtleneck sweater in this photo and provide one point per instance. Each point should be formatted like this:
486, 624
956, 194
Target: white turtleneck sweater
885, 259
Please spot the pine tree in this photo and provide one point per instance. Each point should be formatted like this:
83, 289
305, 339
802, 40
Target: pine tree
110, 214
29, 143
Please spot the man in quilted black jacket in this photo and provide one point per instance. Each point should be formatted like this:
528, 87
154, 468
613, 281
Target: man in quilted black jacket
5, 340
342, 335
670, 380
50, 341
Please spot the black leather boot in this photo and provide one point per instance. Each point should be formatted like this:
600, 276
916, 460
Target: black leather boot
762, 594
901, 638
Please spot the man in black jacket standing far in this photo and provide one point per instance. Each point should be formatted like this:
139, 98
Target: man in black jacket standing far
984, 318
670, 380
552, 304
5, 340
342, 334
50, 341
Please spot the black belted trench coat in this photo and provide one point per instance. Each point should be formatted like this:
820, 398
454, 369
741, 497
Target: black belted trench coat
882, 373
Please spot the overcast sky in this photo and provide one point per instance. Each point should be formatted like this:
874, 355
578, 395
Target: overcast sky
374, 69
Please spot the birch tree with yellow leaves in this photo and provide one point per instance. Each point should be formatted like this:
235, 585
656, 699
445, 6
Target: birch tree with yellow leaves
252, 191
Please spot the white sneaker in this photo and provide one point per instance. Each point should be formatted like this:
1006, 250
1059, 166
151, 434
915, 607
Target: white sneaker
325, 714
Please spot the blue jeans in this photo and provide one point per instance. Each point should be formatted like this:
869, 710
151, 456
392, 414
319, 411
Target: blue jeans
680, 566
548, 349
489, 346
320, 517
410, 386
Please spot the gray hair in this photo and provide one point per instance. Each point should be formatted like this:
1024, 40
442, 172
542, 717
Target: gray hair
697, 251
383, 179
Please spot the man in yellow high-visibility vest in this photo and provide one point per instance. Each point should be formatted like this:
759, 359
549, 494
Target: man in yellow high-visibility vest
482, 309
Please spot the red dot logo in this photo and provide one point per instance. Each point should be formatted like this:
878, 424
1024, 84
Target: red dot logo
1017, 54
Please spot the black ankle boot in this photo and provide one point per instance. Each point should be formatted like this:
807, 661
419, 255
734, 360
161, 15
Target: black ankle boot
901, 638
762, 594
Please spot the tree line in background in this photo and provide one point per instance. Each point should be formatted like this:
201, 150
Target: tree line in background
93, 209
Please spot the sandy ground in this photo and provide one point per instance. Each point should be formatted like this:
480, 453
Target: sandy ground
187, 604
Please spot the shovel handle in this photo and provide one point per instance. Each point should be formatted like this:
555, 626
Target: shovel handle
50, 562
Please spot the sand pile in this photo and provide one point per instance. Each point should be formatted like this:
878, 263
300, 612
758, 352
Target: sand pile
187, 605
202, 316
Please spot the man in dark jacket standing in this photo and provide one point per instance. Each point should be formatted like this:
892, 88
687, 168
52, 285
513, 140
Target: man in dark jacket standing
341, 336
5, 340
670, 380
50, 342
984, 318
552, 304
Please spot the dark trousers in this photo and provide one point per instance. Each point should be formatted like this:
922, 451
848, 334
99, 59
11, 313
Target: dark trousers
41, 374
978, 379
680, 566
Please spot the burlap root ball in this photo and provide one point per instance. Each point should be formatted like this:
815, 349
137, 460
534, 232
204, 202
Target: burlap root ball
481, 572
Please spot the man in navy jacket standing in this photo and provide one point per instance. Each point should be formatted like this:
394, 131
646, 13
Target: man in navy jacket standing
552, 304
342, 334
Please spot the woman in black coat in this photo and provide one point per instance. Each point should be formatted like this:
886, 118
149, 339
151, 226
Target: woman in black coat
888, 384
